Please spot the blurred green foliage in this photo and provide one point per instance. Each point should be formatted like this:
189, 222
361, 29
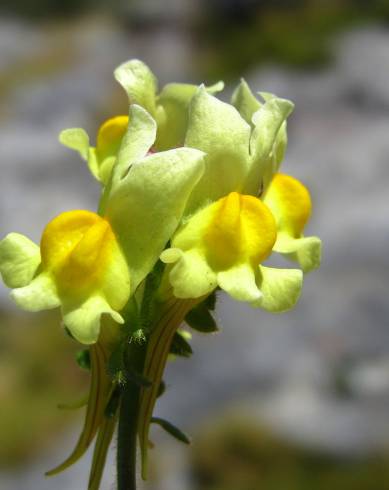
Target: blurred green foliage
38, 371
240, 454
231, 36
46, 8
238, 34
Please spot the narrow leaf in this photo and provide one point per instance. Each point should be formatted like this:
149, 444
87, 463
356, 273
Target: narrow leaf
172, 430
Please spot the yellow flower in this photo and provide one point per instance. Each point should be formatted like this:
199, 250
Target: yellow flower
101, 159
90, 264
224, 245
290, 203
82, 269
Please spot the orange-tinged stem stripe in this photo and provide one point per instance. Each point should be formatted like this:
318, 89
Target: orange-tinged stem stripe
172, 315
101, 387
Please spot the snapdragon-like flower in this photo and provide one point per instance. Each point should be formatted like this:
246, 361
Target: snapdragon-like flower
90, 264
223, 246
192, 202
78, 267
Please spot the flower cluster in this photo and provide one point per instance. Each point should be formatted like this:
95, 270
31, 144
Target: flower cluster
192, 201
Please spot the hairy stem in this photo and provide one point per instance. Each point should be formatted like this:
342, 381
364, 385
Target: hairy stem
128, 421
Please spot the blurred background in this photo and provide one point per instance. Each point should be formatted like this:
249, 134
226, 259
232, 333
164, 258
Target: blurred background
298, 401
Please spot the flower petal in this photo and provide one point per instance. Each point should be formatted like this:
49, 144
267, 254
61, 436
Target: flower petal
267, 121
239, 282
217, 129
84, 320
146, 206
136, 142
139, 82
223, 244
245, 101
110, 135
76, 139
290, 203
280, 288
306, 251
40, 294
19, 260
190, 276
281, 142
173, 113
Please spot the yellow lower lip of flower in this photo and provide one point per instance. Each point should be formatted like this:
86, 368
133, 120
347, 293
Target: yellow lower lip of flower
110, 135
240, 229
290, 202
76, 247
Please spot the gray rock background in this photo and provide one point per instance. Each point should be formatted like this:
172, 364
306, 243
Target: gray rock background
283, 369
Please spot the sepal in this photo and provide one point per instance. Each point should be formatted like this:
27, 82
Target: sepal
201, 319
180, 345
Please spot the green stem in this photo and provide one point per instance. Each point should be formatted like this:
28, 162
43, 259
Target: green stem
128, 421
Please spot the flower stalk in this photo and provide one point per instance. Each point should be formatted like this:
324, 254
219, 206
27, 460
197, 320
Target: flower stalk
127, 439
